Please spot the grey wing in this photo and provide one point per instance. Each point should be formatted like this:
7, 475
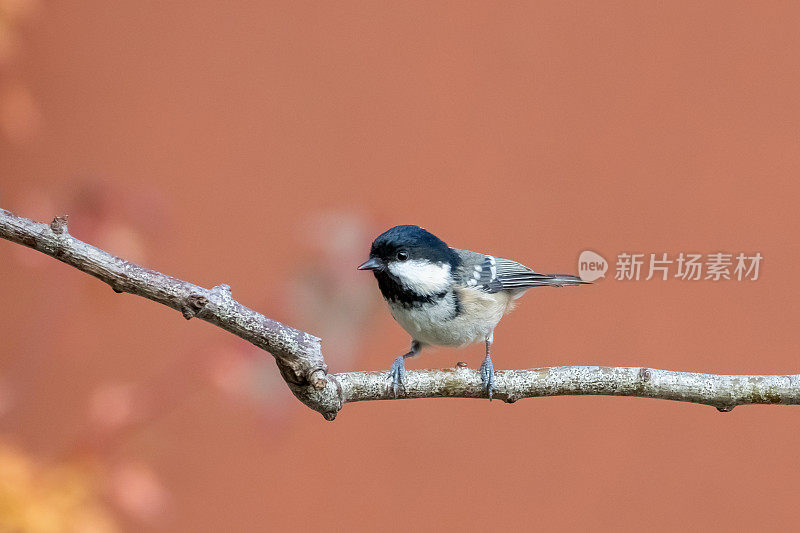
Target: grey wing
495, 274
477, 270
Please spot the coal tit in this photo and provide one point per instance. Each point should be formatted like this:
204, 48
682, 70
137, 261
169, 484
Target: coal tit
444, 296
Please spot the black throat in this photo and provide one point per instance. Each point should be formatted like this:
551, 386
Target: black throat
393, 291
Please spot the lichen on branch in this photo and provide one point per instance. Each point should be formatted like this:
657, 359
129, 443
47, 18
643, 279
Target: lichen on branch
299, 355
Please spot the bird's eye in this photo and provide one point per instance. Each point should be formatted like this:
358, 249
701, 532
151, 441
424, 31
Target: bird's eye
402, 255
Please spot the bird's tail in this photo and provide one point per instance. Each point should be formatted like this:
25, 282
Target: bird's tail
563, 280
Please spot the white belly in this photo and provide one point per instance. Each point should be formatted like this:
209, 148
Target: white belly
435, 324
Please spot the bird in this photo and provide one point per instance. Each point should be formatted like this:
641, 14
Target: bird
445, 296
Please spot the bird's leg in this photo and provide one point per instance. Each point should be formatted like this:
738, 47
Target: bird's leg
398, 370
487, 368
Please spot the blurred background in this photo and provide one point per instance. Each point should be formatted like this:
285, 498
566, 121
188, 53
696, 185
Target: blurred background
264, 144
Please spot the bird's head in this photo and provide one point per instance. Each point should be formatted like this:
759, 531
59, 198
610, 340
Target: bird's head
409, 258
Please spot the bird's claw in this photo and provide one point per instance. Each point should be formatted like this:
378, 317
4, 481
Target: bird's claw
398, 374
487, 377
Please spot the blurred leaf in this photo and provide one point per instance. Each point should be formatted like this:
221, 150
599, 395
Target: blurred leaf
44, 499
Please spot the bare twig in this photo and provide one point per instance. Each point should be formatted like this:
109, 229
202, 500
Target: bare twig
299, 357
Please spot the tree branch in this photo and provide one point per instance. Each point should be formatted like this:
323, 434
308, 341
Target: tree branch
299, 356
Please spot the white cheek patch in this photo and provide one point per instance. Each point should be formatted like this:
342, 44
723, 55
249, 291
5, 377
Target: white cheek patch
421, 276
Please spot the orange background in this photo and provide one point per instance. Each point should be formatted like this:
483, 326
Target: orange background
265, 144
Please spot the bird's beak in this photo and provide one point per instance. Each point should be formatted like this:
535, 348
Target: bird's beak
373, 263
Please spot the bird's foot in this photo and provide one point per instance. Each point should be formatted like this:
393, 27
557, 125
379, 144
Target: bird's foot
487, 376
398, 375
